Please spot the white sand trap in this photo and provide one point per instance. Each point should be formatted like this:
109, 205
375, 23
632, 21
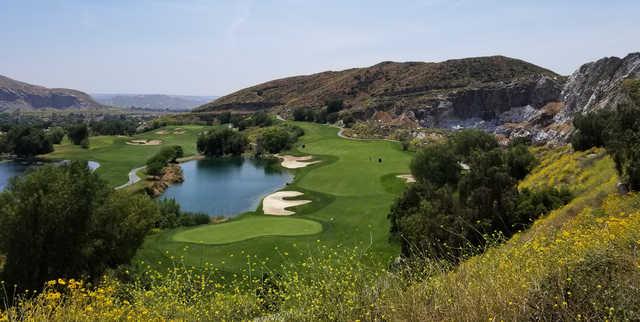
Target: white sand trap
162, 132
291, 162
179, 132
407, 178
275, 204
144, 142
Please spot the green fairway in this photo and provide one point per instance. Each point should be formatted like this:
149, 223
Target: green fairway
117, 158
252, 227
351, 193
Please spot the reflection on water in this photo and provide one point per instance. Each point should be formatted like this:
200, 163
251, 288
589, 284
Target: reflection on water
227, 186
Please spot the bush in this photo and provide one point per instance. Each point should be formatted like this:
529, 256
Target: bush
161, 159
221, 142
172, 217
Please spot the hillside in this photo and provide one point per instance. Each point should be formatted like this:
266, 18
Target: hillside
18, 95
153, 101
506, 96
434, 94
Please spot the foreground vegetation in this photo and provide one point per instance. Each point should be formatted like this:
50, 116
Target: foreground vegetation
578, 262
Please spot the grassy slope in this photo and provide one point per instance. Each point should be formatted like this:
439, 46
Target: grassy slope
556, 269
351, 197
117, 158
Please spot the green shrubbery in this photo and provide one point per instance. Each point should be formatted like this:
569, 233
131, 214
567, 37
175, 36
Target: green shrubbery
171, 216
221, 142
466, 189
161, 159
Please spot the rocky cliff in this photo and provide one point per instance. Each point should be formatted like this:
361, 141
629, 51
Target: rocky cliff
18, 95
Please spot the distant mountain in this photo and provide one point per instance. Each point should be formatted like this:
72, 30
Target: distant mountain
153, 101
16, 95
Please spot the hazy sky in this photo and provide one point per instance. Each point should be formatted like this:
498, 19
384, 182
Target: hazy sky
216, 47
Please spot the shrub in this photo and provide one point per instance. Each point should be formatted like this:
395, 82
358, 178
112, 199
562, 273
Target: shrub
165, 156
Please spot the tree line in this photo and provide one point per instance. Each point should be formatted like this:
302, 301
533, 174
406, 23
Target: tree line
618, 131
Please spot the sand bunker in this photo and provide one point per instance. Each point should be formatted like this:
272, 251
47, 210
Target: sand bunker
162, 132
275, 204
178, 132
407, 178
291, 162
144, 142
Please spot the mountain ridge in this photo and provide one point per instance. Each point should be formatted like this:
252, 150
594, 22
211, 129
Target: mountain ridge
17, 95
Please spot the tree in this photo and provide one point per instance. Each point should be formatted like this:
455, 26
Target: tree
520, 161
334, 106
25, 141
63, 221
78, 133
55, 135
591, 130
273, 140
221, 142
436, 164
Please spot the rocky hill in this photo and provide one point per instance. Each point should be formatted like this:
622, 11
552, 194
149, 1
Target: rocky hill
473, 87
503, 95
18, 95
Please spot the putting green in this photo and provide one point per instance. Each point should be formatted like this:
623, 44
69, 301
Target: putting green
247, 228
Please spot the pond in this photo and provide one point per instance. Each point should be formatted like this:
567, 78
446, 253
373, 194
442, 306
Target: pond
227, 186
10, 169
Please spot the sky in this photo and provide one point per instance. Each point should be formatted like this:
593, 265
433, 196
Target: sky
214, 47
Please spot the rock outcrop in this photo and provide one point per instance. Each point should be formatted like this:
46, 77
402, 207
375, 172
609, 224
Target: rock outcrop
15, 95
171, 174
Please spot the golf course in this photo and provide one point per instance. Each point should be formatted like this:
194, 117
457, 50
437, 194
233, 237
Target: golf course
117, 156
351, 191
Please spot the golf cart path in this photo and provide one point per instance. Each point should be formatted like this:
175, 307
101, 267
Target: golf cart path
133, 178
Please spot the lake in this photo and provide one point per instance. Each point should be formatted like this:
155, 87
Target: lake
226, 186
